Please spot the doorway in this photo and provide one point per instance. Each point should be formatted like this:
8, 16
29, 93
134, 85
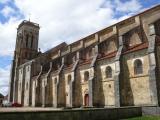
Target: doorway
86, 100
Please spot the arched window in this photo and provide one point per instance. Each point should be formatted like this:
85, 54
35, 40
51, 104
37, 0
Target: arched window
27, 37
27, 86
32, 41
20, 86
69, 79
55, 81
108, 72
86, 76
138, 67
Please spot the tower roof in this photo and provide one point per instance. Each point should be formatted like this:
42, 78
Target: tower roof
29, 23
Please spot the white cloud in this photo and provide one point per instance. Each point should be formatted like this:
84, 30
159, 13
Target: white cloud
129, 6
66, 20
4, 80
7, 11
60, 20
69, 20
8, 36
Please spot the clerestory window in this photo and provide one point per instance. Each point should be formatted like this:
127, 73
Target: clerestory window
138, 67
108, 72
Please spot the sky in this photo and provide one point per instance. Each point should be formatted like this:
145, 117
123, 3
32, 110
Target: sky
60, 21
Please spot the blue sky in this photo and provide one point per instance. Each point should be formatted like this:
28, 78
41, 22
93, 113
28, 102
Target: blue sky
5, 61
57, 19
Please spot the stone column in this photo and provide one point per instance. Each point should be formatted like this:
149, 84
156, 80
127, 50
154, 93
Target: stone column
71, 89
152, 65
70, 93
90, 93
15, 87
92, 76
55, 102
45, 85
73, 73
33, 93
27, 77
56, 95
57, 84
34, 88
43, 92
14, 91
117, 73
90, 84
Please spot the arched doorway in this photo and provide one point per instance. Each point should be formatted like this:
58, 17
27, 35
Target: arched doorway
86, 100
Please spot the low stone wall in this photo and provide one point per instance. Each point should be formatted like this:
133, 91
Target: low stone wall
151, 110
70, 114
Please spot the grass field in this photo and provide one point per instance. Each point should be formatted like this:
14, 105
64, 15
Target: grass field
146, 118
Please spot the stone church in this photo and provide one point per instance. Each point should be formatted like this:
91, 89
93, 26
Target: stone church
116, 66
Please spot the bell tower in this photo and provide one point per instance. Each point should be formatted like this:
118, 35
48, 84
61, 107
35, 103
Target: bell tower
26, 49
27, 42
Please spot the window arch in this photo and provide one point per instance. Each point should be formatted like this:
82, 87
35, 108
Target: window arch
86, 76
138, 67
69, 79
108, 72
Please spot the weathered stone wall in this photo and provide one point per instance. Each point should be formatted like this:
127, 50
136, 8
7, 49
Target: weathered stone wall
81, 114
135, 88
67, 81
27, 91
106, 84
48, 90
117, 47
77, 92
83, 83
54, 89
20, 86
158, 71
61, 91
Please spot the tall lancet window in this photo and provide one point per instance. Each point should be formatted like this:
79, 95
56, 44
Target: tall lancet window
108, 72
32, 41
69, 79
86, 76
55, 81
27, 37
138, 67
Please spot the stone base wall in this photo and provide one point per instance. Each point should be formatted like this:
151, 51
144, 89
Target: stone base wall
80, 114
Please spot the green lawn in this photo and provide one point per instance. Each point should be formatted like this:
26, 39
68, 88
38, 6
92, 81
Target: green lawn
146, 118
